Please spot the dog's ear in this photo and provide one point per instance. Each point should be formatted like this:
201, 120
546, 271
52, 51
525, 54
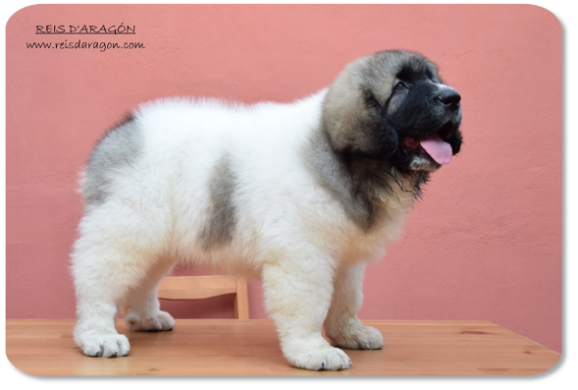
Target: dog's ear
355, 122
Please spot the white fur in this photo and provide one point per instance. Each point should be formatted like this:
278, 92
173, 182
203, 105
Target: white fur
290, 231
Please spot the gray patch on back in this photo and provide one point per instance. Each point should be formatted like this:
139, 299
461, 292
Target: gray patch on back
222, 219
117, 150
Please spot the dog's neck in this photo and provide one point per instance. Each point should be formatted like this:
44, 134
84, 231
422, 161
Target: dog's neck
368, 189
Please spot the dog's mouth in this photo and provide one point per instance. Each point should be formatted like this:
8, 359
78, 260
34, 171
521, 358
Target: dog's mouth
433, 146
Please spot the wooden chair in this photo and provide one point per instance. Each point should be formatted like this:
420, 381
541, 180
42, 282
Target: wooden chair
185, 288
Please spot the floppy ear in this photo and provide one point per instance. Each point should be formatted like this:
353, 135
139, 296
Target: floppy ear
356, 125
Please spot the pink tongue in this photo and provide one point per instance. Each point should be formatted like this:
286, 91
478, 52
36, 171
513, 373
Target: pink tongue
438, 149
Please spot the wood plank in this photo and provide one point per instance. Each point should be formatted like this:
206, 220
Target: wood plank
180, 288
250, 347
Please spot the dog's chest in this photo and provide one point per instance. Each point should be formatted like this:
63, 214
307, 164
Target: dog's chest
371, 245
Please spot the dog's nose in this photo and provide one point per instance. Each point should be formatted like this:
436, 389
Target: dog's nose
449, 96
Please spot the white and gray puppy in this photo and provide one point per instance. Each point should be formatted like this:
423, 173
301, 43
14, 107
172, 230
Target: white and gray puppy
302, 195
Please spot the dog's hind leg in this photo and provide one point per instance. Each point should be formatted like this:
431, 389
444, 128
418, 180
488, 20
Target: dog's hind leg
116, 250
342, 324
141, 306
298, 286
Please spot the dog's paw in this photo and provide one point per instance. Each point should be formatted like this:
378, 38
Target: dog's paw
161, 321
357, 336
320, 357
95, 344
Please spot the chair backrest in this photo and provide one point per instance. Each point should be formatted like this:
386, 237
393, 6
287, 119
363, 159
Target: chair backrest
185, 288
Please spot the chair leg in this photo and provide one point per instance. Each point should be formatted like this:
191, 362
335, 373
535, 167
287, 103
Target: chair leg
241, 300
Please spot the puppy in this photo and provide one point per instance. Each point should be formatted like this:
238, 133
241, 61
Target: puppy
302, 195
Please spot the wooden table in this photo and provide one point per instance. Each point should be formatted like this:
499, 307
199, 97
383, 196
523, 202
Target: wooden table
251, 348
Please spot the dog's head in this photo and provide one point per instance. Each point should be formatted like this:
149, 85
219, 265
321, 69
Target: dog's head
393, 106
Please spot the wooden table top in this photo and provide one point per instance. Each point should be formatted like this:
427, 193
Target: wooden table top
251, 348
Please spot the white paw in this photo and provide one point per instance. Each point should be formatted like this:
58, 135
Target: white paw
317, 356
93, 343
161, 321
357, 336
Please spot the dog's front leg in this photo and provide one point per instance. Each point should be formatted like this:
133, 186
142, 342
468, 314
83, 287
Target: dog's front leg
342, 324
298, 291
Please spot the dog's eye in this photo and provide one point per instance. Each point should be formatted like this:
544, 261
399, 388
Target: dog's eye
400, 86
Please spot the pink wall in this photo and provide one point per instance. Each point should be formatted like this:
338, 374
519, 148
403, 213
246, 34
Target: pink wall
485, 243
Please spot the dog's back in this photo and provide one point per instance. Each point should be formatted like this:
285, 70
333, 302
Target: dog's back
181, 169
